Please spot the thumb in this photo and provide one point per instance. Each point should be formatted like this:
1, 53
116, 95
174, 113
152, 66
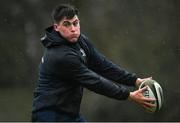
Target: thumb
148, 78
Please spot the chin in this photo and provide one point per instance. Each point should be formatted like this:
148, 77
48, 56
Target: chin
74, 40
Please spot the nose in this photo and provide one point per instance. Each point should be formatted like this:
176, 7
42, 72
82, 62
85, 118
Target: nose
72, 28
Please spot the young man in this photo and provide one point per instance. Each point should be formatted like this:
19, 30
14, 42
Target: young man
69, 64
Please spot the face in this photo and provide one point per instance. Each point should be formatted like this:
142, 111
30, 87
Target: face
69, 28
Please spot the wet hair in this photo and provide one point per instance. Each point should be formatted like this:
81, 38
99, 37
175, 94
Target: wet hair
64, 10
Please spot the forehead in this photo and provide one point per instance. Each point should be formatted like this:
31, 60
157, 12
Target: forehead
70, 20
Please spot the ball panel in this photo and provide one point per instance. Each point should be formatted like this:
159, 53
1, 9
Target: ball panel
159, 94
156, 96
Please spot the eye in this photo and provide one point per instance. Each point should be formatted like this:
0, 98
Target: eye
67, 24
76, 23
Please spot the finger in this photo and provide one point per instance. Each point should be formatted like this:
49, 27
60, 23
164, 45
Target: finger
149, 105
142, 89
149, 99
145, 107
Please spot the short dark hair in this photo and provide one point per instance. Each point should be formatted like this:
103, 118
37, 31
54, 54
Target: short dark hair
64, 10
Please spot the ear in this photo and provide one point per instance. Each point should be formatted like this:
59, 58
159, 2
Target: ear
55, 27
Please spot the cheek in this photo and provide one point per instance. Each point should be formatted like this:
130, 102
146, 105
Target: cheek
63, 32
77, 30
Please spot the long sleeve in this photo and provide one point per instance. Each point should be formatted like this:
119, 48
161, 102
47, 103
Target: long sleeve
76, 71
109, 70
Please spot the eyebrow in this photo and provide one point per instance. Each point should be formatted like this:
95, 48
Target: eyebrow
69, 21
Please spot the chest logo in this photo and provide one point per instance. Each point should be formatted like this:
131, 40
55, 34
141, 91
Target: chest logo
82, 52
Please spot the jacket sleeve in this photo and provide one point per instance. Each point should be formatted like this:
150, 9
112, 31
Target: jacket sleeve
109, 70
76, 71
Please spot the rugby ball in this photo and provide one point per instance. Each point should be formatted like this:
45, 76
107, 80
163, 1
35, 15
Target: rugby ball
154, 90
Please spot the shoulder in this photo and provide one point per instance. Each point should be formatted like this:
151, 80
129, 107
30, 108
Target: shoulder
86, 44
59, 50
61, 54
69, 60
85, 39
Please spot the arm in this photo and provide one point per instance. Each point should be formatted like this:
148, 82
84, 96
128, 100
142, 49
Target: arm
109, 70
76, 71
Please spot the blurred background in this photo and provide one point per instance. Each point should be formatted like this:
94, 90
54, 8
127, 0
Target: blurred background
142, 36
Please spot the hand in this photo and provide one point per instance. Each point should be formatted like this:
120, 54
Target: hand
139, 80
137, 97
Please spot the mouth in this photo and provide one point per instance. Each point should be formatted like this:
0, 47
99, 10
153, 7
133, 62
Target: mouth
74, 37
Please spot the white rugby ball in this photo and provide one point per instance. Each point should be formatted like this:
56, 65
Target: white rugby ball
154, 90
